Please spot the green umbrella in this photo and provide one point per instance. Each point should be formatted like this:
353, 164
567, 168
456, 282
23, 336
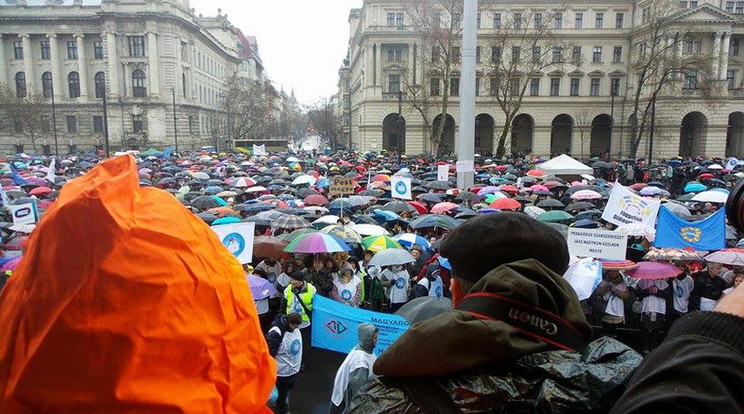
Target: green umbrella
297, 233
686, 197
380, 243
554, 216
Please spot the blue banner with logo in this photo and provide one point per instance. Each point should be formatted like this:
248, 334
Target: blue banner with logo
707, 234
335, 325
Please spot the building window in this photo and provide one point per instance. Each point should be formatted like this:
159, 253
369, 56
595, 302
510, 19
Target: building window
97, 123
535, 87
46, 53
455, 54
517, 20
617, 54
436, 20
515, 53
391, 19
191, 124
456, 20
735, 47
72, 52
73, 84
100, 81
436, 52
97, 49
494, 84
557, 54
183, 83
478, 21
136, 46
477, 86
137, 124
536, 54
645, 15
575, 85
730, 6
739, 7
393, 83
477, 54
538, 20
594, 87
614, 86
579, 21
18, 49
139, 90
619, 20
495, 54
497, 20
555, 86
46, 84
692, 44
454, 86
20, 81
558, 21
395, 53
71, 123
45, 124
399, 20
516, 87
691, 80
599, 21
597, 54
731, 78
576, 55
434, 86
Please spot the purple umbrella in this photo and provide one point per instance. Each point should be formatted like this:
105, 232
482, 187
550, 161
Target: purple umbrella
10, 264
261, 288
654, 270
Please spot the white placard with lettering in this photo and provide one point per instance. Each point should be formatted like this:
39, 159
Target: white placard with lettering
465, 166
597, 243
443, 172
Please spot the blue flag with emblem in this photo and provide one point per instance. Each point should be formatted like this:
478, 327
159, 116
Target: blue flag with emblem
706, 234
16, 176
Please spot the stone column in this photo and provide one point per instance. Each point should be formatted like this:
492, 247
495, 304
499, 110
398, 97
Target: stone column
725, 45
56, 70
112, 60
178, 70
716, 53
152, 63
82, 66
3, 67
28, 62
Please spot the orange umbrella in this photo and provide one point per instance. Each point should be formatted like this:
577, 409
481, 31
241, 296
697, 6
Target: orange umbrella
125, 301
536, 173
506, 204
221, 211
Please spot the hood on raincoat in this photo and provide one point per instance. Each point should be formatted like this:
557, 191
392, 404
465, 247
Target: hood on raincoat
365, 332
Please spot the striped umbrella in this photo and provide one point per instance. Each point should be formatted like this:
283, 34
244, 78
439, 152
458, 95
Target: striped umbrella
297, 233
380, 243
317, 243
344, 233
407, 240
290, 222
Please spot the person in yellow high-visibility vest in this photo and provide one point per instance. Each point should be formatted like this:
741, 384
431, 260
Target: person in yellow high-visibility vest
298, 298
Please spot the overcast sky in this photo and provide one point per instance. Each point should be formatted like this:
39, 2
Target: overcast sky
302, 42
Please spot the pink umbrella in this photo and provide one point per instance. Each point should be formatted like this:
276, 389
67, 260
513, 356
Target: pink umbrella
654, 270
539, 188
586, 195
443, 208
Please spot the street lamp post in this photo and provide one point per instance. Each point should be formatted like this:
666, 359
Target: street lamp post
613, 93
175, 124
54, 123
651, 134
105, 122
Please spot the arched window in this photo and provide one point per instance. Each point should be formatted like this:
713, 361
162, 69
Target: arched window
100, 80
46, 84
139, 89
73, 84
20, 80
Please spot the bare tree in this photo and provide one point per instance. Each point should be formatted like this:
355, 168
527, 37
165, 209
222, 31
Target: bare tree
665, 52
23, 116
252, 105
583, 125
521, 48
324, 121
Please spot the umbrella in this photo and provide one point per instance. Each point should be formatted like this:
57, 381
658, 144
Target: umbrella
586, 195
678, 209
653, 191
423, 308
297, 233
407, 240
654, 270
431, 197
554, 216
551, 203
398, 207
439, 185
467, 195
304, 179
710, 196
360, 200
200, 175
317, 243
732, 256
345, 233
323, 221
637, 229
40, 191
225, 220
10, 264
286, 221
434, 220
244, 182
417, 207
269, 246
369, 230
506, 204
204, 202
578, 206
533, 211
694, 187
315, 200
380, 243
617, 264
391, 257
672, 254
443, 208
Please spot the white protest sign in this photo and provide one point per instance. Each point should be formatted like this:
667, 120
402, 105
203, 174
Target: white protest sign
624, 207
597, 243
443, 172
238, 239
400, 187
465, 166
26, 213
259, 149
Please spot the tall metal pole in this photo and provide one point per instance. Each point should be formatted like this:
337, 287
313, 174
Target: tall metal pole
612, 122
466, 143
651, 135
105, 123
175, 124
54, 123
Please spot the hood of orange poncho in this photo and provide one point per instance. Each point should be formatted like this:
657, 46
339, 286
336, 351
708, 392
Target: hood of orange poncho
127, 302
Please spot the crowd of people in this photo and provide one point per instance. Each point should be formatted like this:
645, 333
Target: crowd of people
500, 242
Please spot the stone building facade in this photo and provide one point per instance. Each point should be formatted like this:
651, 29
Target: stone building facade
152, 60
568, 108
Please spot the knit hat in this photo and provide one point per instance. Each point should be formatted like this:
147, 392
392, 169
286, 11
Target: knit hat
298, 275
483, 243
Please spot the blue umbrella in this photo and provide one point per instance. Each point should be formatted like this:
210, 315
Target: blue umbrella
219, 200
694, 187
407, 240
213, 190
387, 215
226, 220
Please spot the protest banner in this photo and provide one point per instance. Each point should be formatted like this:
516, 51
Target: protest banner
706, 234
238, 239
443, 172
341, 186
400, 187
624, 207
597, 243
26, 213
335, 326
259, 149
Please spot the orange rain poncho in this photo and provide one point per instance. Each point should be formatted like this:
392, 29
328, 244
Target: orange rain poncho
127, 302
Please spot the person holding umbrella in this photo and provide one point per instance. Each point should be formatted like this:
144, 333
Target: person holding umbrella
654, 292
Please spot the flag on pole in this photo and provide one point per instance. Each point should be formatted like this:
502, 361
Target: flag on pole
4, 197
16, 176
624, 207
52, 171
706, 234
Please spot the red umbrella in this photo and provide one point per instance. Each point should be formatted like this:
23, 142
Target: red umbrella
442, 208
536, 173
639, 186
706, 176
315, 200
509, 189
654, 270
506, 204
501, 168
618, 264
418, 206
381, 177
40, 191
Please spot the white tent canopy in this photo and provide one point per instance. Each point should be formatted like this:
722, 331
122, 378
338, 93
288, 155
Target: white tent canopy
564, 165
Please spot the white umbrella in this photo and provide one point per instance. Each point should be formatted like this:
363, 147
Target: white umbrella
533, 211
715, 167
304, 179
390, 257
369, 230
330, 219
200, 175
677, 208
256, 189
711, 196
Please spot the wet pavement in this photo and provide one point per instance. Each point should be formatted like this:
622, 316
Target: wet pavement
312, 394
